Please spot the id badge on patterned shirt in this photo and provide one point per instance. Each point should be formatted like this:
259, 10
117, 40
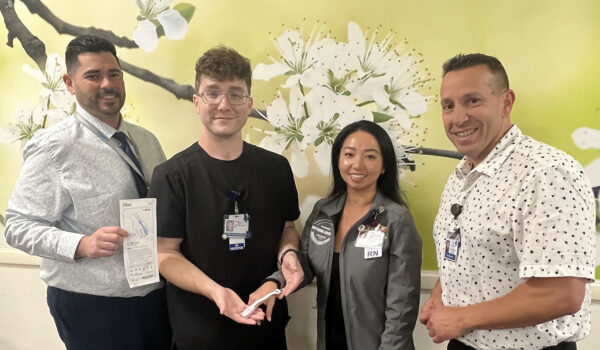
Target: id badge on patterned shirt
452, 246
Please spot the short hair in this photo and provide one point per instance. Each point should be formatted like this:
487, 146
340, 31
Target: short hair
387, 183
83, 44
223, 64
461, 61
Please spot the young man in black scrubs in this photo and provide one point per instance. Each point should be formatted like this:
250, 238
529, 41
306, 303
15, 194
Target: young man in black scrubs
212, 267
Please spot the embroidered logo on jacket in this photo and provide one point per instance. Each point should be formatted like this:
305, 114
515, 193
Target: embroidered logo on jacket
321, 231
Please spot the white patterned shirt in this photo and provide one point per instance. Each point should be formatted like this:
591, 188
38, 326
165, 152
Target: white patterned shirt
527, 211
70, 186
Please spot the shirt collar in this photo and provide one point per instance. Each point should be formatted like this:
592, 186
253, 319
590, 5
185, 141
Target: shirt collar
492, 162
106, 129
336, 204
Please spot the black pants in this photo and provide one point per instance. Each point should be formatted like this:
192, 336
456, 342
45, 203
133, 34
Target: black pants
90, 322
456, 345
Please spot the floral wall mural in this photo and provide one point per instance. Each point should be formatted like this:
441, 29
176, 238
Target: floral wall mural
318, 65
333, 83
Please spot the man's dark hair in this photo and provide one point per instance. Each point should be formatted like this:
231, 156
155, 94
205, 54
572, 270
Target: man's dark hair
387, 183
83, 44
461, 61
223, 64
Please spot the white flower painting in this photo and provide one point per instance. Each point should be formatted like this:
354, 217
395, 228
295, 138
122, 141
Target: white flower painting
154, 14
334, 83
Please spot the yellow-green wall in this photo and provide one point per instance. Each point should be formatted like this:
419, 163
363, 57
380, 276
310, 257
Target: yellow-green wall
551, 50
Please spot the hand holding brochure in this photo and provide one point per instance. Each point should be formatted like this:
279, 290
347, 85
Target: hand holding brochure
138, 218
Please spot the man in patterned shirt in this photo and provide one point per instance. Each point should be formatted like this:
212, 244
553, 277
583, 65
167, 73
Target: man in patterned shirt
515, 228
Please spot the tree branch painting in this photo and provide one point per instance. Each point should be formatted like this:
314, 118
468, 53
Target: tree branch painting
36, 50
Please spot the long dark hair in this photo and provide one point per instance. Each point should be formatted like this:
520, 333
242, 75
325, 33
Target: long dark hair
387, 183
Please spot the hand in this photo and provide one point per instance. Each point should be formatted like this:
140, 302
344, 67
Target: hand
292, 272
429, 305
263, 290
101, 243
231, 305
445, 323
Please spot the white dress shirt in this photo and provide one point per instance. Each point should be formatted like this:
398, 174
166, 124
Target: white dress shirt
70, 186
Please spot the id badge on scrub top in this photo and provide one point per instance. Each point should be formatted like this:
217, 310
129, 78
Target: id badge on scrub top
452, 246
236, 228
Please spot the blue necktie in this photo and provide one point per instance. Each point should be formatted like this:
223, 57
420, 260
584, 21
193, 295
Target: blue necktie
139, 182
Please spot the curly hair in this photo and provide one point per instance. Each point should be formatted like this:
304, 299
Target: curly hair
223, 63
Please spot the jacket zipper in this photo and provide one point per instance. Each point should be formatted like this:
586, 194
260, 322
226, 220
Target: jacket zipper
352, 229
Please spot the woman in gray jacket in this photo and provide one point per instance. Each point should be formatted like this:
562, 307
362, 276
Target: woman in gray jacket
362, 245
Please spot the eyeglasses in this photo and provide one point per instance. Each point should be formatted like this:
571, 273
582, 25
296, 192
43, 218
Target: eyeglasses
215, 97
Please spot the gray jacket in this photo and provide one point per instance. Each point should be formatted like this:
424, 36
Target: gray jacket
380, 296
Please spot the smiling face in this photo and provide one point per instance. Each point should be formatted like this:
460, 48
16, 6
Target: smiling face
475, 111
222, 120
361, 162
98, 86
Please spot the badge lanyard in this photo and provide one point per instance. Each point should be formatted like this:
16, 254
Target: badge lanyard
112, 143
234, 196
236, 226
